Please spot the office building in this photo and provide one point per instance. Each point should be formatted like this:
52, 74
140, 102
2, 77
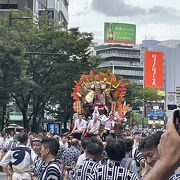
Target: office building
125, 61
7, 5
171, 50
56, 9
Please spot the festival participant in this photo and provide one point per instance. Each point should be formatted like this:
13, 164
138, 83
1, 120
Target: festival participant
11, 142
113, 169
109, 124
19, 158
49, 150
94, 150
2, 140
30, 137
128, 162
79, 127
38, 165
63, 141
71, 154
93, 126
135, 153
83, 156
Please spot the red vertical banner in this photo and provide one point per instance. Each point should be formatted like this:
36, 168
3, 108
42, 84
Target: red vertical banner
154, 70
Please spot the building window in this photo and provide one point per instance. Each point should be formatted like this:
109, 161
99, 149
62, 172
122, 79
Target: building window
8, 4
51, 14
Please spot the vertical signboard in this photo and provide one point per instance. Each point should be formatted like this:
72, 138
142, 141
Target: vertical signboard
120, 33
154, 70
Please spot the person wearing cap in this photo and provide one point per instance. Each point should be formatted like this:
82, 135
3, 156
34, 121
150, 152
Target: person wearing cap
38, 165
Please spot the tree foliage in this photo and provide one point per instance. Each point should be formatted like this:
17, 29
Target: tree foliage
45, 60
137, 96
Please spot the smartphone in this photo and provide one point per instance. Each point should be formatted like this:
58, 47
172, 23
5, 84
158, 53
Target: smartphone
176, 119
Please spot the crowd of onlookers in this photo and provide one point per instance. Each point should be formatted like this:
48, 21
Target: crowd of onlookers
94, 156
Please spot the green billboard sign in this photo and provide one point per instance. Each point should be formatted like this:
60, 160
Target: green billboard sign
119, 33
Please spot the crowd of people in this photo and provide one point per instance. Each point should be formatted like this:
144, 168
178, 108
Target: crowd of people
87, 154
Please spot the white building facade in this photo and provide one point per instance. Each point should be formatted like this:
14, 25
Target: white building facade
125, 61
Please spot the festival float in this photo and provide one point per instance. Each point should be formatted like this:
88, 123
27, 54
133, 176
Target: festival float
101, 93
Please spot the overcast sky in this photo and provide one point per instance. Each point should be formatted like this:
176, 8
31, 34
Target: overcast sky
157, 19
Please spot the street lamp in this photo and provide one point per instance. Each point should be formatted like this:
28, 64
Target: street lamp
11, 18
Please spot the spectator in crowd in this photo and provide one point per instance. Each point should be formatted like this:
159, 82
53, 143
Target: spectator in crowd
79, 127
38, 165
127, 161
94, 150
169, 155
2, 140
83, 156
19, 159
136, 154
30, 137
71, 154
149, 147
137, 139
49, 150
113, 169
63, 145
63, 141
11, 142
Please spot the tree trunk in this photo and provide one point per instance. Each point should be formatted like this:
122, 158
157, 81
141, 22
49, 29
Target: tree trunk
35, 126
25, 119
4, 116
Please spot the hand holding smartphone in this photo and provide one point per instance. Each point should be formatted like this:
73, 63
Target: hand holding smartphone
176, 119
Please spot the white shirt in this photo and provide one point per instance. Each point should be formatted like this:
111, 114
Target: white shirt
103, 118
20, 158
81, 159
94, 126
63, 144
109, 125
80, 124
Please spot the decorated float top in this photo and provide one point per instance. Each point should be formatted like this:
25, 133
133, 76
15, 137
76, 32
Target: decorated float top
102, 93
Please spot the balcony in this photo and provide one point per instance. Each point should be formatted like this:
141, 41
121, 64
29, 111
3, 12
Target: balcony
121, 63
107, 55
128, 72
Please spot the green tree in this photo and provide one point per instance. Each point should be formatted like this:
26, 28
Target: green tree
137, 96
10, 65
52, 58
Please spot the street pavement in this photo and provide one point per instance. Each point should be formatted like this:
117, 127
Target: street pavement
2, 176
